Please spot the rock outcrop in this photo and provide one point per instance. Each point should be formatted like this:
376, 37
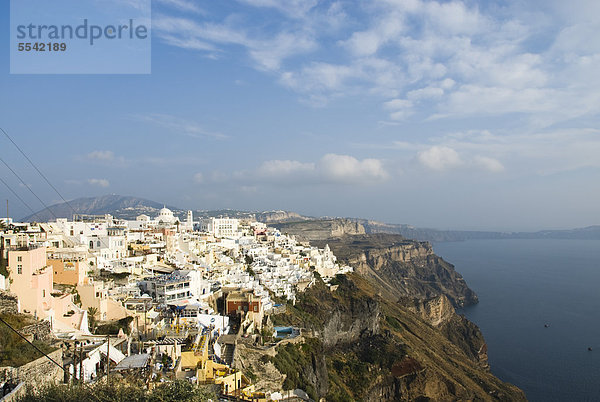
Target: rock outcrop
402, 268
278, 216
321, 229
439, 313
377, 349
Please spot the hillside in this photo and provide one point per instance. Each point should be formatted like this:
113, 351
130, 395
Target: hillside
401, 267
117, 205
361, 346
304, 227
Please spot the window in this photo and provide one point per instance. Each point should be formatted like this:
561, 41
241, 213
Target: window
43, 292
19, 258
19, 269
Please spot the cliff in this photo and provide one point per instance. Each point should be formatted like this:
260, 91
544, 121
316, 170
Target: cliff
278, 216
320, 229
439, 313
361, 346
401, 267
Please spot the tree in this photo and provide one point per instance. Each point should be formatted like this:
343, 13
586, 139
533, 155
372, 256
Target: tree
92, 313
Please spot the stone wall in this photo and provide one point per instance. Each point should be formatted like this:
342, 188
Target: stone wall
40, 331
35, 373
9, 303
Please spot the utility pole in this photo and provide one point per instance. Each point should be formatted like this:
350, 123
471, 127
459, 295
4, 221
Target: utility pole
81, 379
75, 363
107, 357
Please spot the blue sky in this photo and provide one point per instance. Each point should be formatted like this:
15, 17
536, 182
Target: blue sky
446, 114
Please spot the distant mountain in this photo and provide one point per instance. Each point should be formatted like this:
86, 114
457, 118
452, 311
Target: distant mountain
117, 205
323, 228
434, 235
126, 207
291, 222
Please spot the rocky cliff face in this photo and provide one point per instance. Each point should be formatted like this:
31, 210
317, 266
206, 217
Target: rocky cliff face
389, 331
279, 216
321, 229
439, 313
436, 311
375, 349
346, 325
402, 268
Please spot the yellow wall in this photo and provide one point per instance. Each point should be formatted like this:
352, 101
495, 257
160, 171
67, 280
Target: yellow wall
69, 272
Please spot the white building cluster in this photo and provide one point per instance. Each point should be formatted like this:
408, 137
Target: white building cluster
119, 265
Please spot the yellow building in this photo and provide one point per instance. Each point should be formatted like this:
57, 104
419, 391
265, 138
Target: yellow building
70, 267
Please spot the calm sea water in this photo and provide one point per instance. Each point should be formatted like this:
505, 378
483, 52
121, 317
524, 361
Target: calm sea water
523, 285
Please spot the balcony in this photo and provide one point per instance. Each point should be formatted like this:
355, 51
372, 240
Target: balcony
25, 247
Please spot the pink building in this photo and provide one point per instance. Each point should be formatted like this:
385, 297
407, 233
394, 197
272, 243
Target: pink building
31, 278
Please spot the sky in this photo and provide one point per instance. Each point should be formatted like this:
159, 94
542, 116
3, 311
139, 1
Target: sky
443, 114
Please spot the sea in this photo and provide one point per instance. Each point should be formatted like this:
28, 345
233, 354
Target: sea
539, 311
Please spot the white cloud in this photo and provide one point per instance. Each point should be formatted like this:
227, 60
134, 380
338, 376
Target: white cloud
439, 158
98, 182
199, 177
489, 164
347, 169
329, 169
183, 5
451, 59
268, 51
101, 155
285, 169
292, 8
180, 126
400, 109
425, 93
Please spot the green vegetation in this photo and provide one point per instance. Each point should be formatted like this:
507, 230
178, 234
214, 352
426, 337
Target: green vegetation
76, 296
14, 350
250, 374
393, 323
3, 263
353, 370
293, 361
120, 391
92, 314
117, 277
112, 328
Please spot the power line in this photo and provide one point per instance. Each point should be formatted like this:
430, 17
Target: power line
46, 355
45, 179
17, 195
35, 167
37, 170
29, 342
28, 187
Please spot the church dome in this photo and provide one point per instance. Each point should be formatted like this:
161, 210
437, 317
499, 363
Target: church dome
165, 212
165, 215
